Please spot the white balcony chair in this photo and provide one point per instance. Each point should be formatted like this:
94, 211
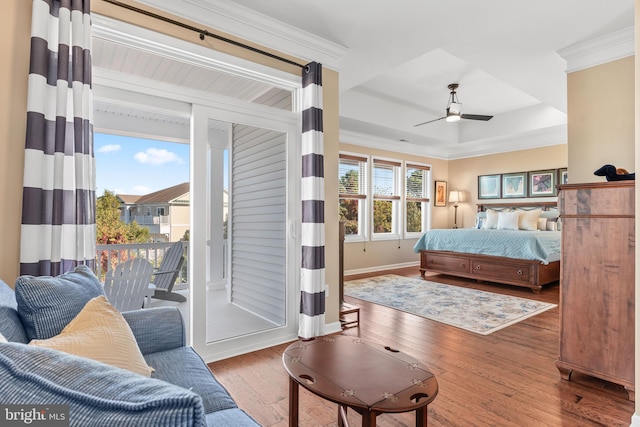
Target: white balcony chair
164, 278
127, 286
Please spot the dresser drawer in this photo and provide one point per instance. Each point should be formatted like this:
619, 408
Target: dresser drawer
447, 263
503, 271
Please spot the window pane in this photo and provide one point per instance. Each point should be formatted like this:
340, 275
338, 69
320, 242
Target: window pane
383, 180
349, 212
415, 184
351, 177
414, 217
382, 216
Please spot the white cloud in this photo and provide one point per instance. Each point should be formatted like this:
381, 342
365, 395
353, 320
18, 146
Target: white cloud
155, 156
109, 148
140, 190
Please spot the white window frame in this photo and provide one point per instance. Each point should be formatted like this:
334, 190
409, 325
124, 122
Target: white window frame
395, 198
426, 199
363, 199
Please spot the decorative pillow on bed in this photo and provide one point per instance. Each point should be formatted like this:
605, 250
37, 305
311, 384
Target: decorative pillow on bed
529, 219
552, 215
492, 219
481, 219
542, 224
508, 220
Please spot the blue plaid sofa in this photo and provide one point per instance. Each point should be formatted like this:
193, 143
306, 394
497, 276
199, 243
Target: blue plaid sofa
181, 392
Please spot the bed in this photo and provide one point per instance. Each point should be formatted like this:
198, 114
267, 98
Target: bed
522, 257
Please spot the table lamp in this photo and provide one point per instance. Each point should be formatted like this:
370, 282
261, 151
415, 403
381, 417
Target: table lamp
455, 196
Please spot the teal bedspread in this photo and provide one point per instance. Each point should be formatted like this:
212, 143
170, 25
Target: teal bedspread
543, 246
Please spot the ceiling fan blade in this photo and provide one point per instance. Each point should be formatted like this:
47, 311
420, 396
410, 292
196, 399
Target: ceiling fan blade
430, 121
476, 117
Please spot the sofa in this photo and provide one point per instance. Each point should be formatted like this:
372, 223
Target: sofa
176, 388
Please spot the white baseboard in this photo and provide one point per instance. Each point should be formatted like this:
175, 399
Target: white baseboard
381, 268
332, 328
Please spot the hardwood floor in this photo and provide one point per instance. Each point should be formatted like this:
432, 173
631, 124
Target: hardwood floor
507, 378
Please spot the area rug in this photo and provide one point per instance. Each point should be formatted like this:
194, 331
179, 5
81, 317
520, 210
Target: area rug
473, 310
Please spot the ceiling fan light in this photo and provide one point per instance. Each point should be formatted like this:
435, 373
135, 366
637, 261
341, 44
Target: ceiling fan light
452, 116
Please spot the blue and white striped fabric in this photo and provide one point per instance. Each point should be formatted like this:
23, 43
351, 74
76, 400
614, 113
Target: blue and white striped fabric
58, 207
312, 298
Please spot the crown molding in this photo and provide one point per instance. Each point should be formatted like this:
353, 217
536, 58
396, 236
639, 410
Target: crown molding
555, 135
600, 50
255, 27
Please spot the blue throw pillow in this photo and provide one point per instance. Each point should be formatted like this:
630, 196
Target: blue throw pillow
47, 304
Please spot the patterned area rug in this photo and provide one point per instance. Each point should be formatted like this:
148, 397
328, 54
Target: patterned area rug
476, 311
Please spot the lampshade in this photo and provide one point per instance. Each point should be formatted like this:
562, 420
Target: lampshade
455, 196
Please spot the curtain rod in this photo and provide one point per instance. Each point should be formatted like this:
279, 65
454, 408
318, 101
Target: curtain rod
203, 33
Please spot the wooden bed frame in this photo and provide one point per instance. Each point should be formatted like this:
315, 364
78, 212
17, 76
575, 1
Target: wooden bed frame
519, 272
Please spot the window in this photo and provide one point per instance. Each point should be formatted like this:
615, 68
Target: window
160, 211
416, 199
386, 198
352, 189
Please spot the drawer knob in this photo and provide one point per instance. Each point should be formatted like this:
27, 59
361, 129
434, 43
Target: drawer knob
520, 272
462, 264
478, 267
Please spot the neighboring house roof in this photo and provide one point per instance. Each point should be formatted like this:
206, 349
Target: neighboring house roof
128, 199
176, 194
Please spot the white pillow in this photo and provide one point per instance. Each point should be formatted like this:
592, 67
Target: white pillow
99, 332
508, 220
2, 338
492, 219
529, 219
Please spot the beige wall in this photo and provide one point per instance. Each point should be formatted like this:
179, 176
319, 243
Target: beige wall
14, 42
179, 217
463, 174
601, 127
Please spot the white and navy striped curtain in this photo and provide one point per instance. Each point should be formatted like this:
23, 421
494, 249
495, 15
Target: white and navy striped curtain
312, 305
58, 206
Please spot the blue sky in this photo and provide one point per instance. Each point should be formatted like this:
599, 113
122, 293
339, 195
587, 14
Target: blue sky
128, 165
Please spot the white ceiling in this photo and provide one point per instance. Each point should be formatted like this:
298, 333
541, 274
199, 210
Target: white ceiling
396, 59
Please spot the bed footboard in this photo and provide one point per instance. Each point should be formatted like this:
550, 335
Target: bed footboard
519, 272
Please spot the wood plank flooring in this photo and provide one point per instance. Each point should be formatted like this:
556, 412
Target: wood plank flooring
507, 378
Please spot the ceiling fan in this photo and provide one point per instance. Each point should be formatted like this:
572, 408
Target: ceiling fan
454, 109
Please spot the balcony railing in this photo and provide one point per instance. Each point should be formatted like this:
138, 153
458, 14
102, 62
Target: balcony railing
112, 255
151, 220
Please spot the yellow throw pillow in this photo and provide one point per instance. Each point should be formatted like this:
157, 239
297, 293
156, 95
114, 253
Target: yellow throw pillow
99, 332
529, 219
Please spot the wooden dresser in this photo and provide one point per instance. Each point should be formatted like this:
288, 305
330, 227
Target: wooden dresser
597, 281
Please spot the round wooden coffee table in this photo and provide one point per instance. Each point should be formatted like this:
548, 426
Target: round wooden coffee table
368, 377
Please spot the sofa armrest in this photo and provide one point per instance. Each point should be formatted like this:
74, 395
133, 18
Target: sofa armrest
157, 329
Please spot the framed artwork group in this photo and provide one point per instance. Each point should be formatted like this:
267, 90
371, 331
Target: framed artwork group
541, 183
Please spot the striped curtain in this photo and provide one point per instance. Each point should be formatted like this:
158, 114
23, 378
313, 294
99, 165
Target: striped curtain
58, 206
313, 265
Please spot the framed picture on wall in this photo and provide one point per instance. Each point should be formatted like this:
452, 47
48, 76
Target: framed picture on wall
542, 183
441, 194
489, 186
563, 176
514, 185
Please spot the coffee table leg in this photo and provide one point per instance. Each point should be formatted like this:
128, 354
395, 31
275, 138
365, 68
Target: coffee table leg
342, 416
421, 417
369, 418
293, 402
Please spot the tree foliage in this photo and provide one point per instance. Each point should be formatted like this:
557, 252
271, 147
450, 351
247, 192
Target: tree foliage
348, 208
110, 229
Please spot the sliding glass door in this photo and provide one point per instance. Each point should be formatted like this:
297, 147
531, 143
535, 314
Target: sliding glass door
244, 268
